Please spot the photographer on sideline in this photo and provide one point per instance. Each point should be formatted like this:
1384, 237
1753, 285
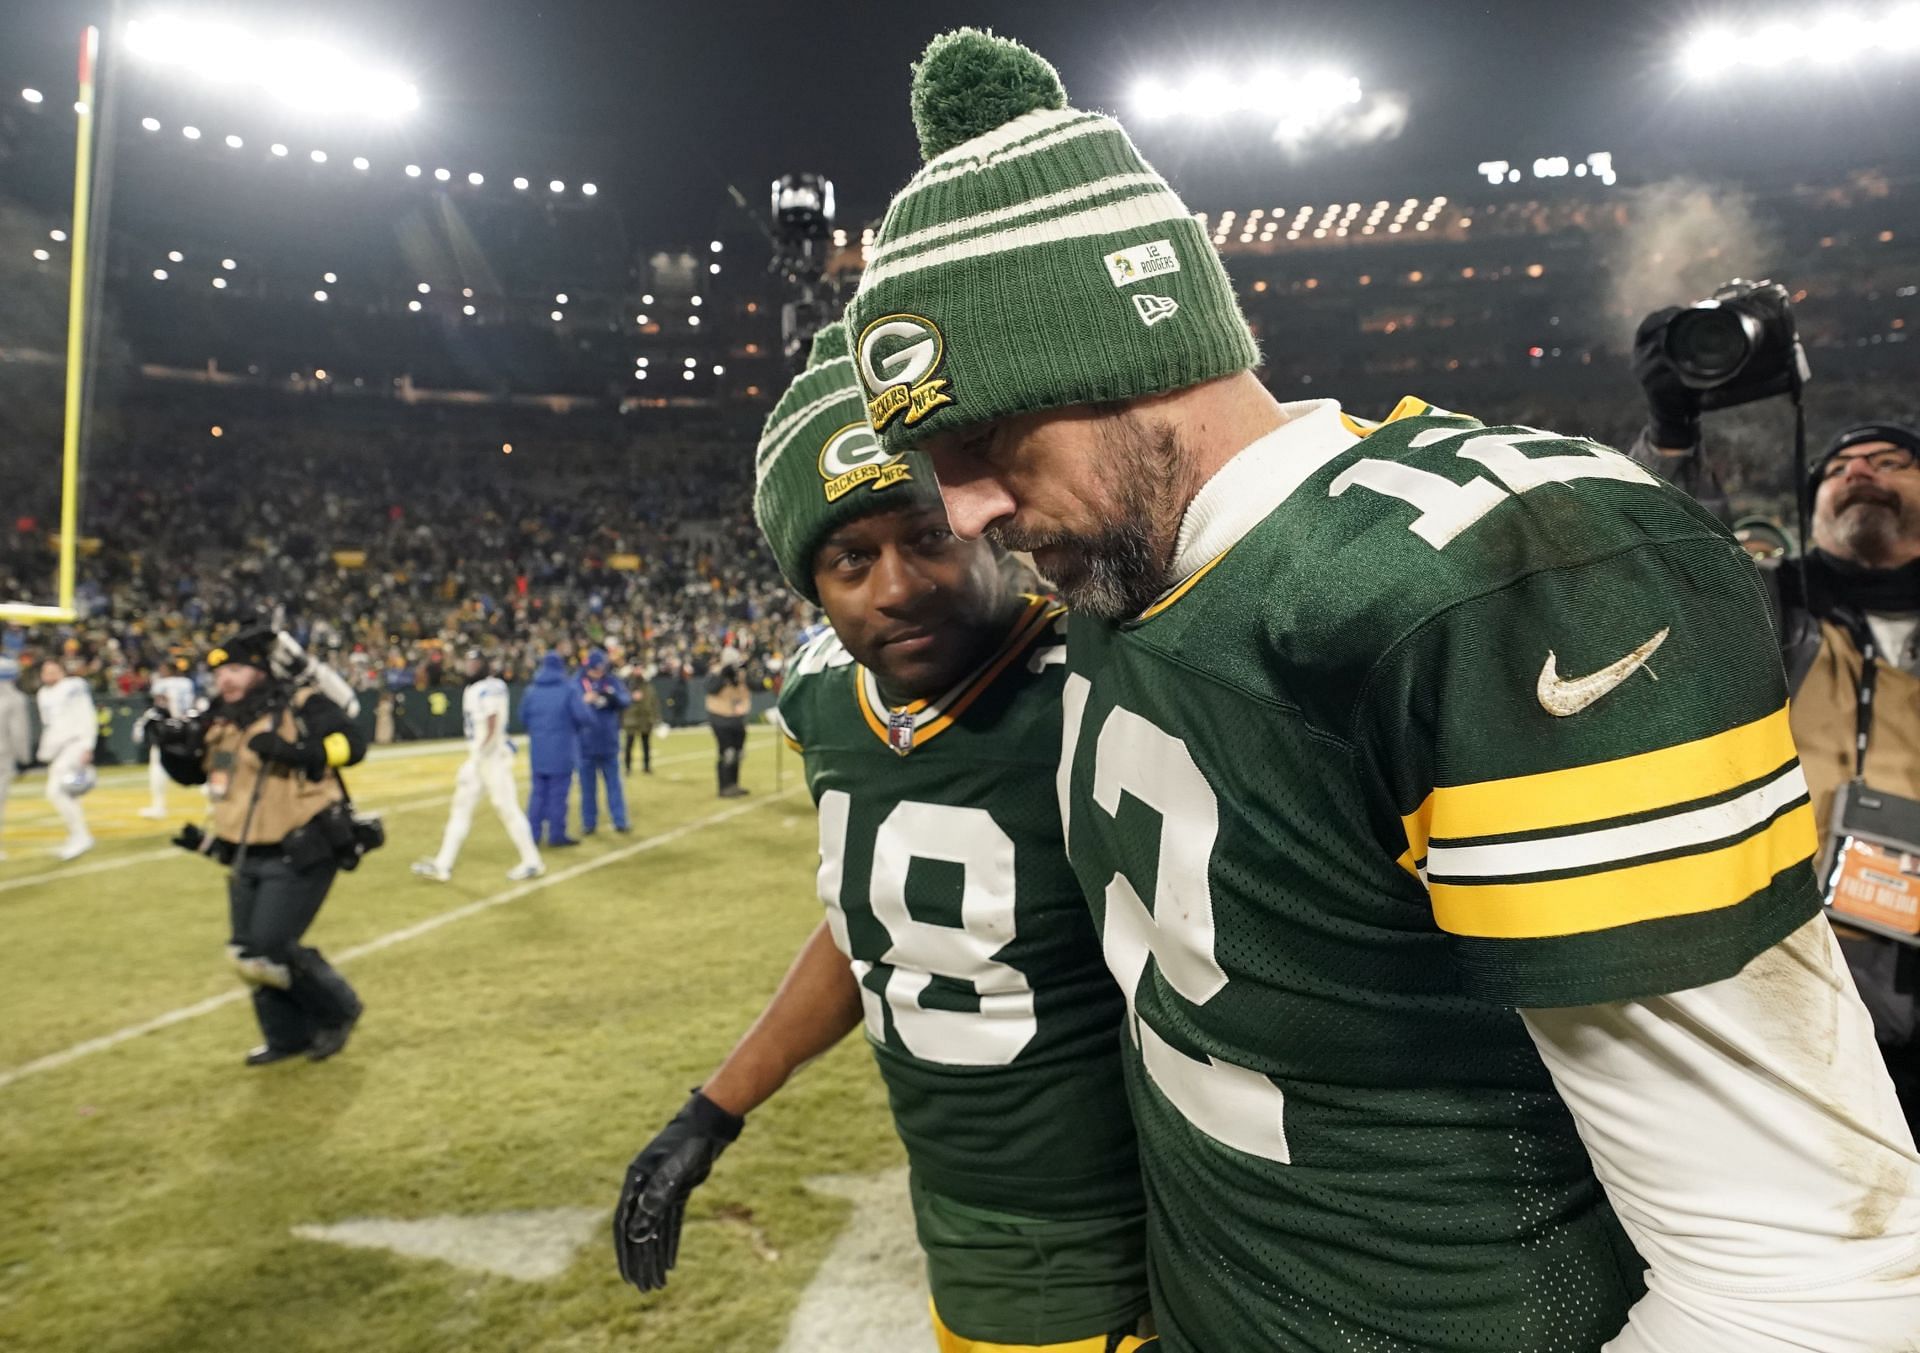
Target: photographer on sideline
728, 704
1848, 625
269, 754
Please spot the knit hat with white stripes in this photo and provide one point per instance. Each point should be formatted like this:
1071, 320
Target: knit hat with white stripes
819, 465
1034, 261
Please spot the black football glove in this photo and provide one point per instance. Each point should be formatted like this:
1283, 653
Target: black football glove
653, 1200
310, 757
1674, 409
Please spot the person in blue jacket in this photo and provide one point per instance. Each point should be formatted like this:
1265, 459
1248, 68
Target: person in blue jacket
605, 696
556, 719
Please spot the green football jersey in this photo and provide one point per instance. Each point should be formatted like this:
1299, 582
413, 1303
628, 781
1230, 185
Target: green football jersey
990, 1011
1458, 720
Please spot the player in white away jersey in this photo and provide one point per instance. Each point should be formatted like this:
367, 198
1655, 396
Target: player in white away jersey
488, 769
173, 698
68, 729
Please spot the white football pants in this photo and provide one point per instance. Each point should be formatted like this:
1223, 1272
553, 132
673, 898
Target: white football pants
157, 780
65, 766
491, 775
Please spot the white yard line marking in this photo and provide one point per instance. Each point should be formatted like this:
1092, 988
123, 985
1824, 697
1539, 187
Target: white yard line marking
128, 861
56, 1060
96, 867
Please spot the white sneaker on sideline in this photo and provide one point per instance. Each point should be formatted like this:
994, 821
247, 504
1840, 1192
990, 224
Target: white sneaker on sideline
531, 869
430, 869
74, 849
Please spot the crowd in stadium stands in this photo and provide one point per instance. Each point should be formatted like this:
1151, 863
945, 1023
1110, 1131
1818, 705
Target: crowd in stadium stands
394, 550
395, 564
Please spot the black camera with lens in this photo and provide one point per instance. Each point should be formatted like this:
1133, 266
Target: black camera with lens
1737, 346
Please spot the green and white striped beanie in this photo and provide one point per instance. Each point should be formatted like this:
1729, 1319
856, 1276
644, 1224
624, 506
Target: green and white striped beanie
1035, 261
819, 465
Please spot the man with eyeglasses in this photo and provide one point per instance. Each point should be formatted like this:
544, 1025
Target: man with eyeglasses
1849, 627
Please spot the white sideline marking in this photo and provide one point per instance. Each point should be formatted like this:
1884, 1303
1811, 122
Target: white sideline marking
104, 866
870, 1295
55, 1060
529, 1246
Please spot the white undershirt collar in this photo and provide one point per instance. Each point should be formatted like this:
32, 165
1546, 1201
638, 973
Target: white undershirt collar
1260, 477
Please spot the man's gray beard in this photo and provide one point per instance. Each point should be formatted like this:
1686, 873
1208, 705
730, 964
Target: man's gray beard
1868, 531
1118, 571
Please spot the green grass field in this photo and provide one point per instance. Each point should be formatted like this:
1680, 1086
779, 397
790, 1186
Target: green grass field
520, 1043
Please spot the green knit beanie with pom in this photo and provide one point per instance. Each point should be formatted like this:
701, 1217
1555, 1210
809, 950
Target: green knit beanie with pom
1035, 260
819, 465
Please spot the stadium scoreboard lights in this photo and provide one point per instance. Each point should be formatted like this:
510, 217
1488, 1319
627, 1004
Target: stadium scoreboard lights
1597, 166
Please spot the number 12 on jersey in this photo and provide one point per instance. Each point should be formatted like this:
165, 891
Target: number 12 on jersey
1232, 1104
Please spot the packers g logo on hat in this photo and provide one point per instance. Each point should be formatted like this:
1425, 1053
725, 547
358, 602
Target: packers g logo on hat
853, 456
898, 356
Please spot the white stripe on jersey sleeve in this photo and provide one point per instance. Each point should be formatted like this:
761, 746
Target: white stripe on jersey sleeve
1749, 1138
1611, 845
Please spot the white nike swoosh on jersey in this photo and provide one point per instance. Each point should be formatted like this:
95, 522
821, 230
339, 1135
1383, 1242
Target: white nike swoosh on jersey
1561, 698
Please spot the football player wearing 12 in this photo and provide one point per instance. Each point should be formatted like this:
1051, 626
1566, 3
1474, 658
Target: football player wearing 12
928, 720
1432, 786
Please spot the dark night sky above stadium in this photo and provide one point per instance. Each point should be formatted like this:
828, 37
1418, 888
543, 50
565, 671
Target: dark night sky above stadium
664, 104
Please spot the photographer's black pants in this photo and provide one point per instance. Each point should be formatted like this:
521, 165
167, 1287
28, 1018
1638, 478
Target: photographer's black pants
646, 752
731, 734
270, 905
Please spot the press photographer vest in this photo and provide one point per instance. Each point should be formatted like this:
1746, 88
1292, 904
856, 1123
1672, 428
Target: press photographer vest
288, 798
1825, 716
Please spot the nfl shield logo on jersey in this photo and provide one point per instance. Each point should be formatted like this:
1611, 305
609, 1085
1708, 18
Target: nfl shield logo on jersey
900, 731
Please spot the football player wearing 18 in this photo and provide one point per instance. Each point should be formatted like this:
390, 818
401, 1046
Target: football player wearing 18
1432, 786
928, 721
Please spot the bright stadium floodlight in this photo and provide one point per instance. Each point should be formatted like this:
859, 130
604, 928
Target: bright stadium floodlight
279, 151
1297, 101
1828, 41
413, 171
560, 298
443, 174
151, 124
294, 71
317, 156
362, 163
41, 255
476, 178
556, 187
521, 184
191, 133
228, 264
175, 256
33, 96
589, 189
234, 142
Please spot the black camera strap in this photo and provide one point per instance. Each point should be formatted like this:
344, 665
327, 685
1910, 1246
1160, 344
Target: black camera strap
1863, 716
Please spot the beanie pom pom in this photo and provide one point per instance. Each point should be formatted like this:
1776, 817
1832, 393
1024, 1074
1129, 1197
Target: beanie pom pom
969, 82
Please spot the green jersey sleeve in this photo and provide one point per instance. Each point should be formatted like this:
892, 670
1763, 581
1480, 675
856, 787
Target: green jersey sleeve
1594, 778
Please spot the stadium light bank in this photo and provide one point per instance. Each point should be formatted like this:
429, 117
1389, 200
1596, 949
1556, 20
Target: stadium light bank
1831, 40
1285, 97
304, 74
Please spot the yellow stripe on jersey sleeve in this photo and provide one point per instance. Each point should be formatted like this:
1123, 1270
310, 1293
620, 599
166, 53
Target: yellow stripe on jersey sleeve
1627, 785
1615, 897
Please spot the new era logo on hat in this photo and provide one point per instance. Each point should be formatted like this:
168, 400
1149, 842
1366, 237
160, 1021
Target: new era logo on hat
1153, 308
